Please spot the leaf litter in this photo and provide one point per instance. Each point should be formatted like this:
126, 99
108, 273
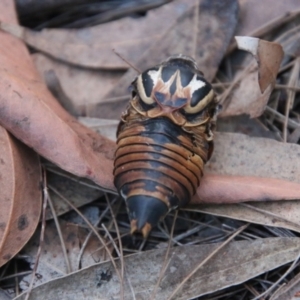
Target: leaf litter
236, 160
237, 262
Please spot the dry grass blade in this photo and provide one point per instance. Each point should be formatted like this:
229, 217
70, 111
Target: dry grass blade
207, 259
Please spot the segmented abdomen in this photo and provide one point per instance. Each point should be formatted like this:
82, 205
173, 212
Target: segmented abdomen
156, 162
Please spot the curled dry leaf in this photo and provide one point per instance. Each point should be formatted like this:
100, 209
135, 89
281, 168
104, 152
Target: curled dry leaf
234, 264
268, 55
20, 197
202, 36
32, 114
246, 95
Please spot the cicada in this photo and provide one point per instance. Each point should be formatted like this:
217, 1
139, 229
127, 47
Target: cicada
164, 138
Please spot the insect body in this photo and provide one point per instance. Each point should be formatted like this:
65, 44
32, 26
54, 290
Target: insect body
164, 139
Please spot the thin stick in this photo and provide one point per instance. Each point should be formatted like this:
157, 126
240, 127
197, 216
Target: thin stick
206, 260
127, 62
45, 200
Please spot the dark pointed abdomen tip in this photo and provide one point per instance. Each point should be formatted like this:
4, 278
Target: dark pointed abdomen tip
145, 212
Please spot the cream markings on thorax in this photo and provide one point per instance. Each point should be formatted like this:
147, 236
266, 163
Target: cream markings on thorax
196, 84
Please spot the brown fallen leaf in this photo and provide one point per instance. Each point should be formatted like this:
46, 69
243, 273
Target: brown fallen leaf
31, 113
234, 264
20, 197
232, 189
203, 37
92, 47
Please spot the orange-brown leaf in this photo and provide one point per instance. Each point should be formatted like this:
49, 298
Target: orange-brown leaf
233, 189
20, 197
32, 114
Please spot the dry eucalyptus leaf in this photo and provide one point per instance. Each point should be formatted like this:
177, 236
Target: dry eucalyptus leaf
233, 189
234, 264
276, 214
268, 55
31, 113
93, 47
206, 42
20, 197
241, 155
52, 263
